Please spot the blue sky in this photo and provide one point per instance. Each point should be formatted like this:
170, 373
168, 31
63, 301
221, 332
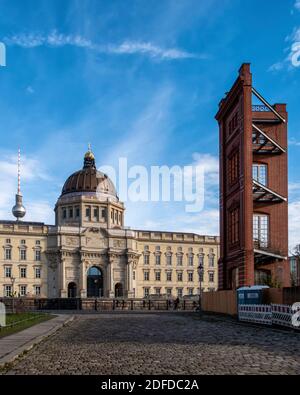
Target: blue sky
140, 79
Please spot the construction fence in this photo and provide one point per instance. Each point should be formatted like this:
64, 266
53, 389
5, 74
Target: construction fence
274, 314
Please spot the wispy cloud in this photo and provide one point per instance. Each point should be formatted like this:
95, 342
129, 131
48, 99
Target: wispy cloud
294, 142
297, 5
127, 47
294, 224
205, 223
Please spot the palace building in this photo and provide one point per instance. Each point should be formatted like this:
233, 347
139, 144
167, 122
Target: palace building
90, 253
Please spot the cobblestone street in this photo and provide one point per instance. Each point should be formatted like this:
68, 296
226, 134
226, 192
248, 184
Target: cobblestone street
162, 344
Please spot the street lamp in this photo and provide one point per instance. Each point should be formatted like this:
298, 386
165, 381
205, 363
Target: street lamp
200, 273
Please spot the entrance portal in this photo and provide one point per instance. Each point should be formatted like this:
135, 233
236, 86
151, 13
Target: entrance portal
118, 290
94, 282
72, 290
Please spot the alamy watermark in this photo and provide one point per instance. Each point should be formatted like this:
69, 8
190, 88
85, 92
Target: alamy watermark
159, 183
295, 55
2, 55
296, 315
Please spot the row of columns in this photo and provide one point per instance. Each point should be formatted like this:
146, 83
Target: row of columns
108, 279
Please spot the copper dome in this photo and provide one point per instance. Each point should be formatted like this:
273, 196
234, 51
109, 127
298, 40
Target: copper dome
89, 179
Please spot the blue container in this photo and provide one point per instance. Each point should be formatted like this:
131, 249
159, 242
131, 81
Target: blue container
251, 295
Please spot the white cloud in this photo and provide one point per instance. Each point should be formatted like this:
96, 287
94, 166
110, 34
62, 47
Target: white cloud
31, 172
131, 47
30, 90
55, 39
204, 223
39, 211
277, 66
294, 224
294, 142
297, 5
210, 164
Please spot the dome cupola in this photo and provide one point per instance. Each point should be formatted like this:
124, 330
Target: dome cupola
90, 181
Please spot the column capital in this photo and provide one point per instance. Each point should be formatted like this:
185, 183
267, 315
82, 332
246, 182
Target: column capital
133, 258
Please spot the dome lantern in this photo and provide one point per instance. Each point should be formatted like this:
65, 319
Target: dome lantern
89, 159
89, 181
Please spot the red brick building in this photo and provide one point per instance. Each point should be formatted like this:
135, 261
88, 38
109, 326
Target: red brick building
253, 188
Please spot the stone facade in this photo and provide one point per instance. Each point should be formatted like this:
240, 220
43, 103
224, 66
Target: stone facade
89, 252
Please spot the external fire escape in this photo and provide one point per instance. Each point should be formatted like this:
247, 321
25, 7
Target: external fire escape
262, 144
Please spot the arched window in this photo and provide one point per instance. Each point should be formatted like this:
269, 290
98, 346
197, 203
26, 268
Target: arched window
72, 290
118, 290
260, 173
261, 230
94, 282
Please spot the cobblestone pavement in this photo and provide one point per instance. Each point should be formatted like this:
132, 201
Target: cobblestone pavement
162, 344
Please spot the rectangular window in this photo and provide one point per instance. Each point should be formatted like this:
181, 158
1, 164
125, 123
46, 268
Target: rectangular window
179, 292
211, 277
7, 241
8, 272
8, 254
37, 255
38, 242
260, 173
261, 230
191, 260
146, 259
23, 254
37, 272
211, 261
87, 212
23, 272
233, 168
201, 260
64, 213
157, 259
146, 292
157, 276
169, 260
179, 260
7, 290
23, 241
190, 276
169, 292
71, 212
157, 291
77, 212
146, 276
23, 290
179, 276
37, 290
96, 213
169, 276
233, 123
133, 275
233, 226
191, 291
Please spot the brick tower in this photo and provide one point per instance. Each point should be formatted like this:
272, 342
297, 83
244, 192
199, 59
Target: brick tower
253, 188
